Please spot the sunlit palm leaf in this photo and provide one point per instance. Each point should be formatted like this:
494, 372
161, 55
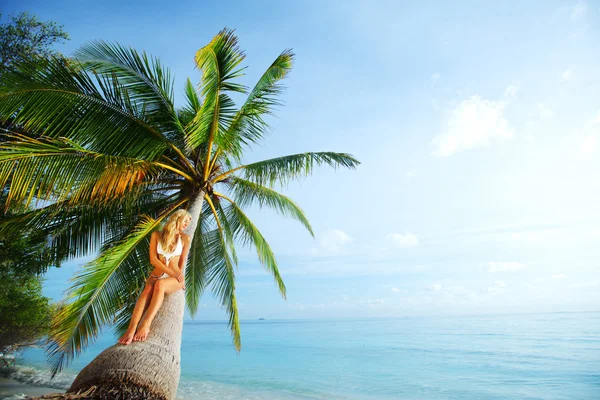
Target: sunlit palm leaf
54, 169
219, 62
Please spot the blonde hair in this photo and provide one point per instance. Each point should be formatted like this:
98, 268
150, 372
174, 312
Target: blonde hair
167, 234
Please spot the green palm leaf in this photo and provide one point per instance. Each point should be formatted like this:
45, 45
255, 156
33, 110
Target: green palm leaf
143, 76
246, 193
219, 62
146, 83
221, 277
201, 256
63, 100
248, 125
283, 169
192, 107
249, 234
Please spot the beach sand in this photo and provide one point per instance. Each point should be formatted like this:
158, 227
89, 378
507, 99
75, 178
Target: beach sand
13, 389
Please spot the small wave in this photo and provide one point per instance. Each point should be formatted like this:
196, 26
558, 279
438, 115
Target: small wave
35, 377
19, 396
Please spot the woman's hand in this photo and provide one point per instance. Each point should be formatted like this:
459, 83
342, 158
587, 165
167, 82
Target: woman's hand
181, 279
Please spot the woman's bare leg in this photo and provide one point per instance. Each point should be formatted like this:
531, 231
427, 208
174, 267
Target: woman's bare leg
161, 288
138, 311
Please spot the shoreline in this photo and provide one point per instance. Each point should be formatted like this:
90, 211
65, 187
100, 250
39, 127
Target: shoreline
11, 388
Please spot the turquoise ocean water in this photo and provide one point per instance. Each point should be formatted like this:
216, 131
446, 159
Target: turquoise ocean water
527, 356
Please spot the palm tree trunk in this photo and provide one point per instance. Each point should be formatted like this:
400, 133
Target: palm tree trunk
143, 370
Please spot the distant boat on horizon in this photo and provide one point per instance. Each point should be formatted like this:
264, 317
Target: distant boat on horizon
261, 319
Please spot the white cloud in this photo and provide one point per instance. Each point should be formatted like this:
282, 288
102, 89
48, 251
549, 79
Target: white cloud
436, 287
578, 11
589, 144
502, 266
403, 239
499, 284
567, 75
544, 111
558, 277
334, 240
511, 91
395, 290
475, 122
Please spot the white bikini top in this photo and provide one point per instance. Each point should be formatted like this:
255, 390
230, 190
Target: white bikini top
177, 252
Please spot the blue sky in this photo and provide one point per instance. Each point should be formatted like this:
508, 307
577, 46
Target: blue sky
477, 125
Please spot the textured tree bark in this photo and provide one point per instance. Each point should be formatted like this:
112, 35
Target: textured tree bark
144, 370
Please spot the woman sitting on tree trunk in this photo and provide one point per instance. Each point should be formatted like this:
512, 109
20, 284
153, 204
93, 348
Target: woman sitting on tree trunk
168, 251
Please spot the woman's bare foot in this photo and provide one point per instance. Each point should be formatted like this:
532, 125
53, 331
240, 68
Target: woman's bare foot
142, 333
127, 337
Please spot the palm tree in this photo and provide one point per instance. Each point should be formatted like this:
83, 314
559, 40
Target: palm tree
105, 156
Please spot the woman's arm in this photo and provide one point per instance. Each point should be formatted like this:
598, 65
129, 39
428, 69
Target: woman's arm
155, 261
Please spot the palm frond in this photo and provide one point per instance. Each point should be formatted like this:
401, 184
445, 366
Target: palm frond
55, 169
221, 277
59, 98
193, 102
246, 193
248, 125
249, 234
146, 80
219, 62
228, 228
284, 169
200, 258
